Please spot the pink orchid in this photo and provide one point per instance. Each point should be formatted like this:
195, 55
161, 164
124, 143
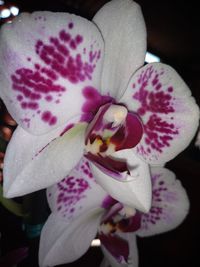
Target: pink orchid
77, 89
81, 209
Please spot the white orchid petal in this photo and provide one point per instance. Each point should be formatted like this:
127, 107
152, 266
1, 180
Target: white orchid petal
136, 190
77, 193
47, 60
63, 242
122, 26
47, 167
170, 204
169, 114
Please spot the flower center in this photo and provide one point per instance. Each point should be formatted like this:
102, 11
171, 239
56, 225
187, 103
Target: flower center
120, 218
113, 128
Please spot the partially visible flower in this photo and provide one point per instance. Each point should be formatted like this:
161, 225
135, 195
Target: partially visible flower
76, 88
81, 209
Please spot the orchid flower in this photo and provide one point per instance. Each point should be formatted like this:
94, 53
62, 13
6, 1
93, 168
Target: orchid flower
81, 209
77, 89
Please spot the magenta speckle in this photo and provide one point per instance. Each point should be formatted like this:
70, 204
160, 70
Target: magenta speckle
64, 36
49, 98
79, 39
70, 25
170, 89
19, 98
49, 118
53, 120
46, 116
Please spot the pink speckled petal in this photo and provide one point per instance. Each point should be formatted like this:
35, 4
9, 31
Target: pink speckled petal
122, 26
110, 260
77, 193
42, 166
63, 242
169, 114
170, 204
47, 60
135, 190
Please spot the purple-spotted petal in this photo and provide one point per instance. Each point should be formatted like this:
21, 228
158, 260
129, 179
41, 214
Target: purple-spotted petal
169, 114
44, 167
170, 204
135, 190
63, 242
76, 202
47, 59
77, 193
110, 259
122, 26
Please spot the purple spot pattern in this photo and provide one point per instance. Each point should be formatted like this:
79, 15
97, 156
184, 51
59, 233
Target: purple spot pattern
158, 132
61, 57
72, 189
162, 198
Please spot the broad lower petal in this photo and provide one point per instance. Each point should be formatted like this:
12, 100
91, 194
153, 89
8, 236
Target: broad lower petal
41, 166
170, 204
135, 191
47, 60
111, 260
122, 26
63, 242
169, 114
77, 193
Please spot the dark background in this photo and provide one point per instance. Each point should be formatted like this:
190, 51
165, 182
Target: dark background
173, 30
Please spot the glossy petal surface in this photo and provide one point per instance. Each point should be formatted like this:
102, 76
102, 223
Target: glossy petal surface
63, 242
135, 191
123, 29
47, 166
47, 59
170, 115
170, 204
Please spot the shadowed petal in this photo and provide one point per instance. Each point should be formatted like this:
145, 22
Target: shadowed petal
170, 204
47, 59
